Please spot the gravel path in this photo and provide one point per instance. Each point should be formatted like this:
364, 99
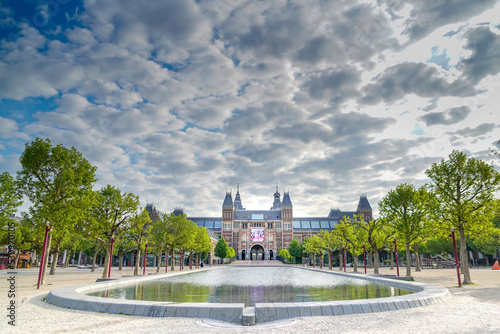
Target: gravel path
473, 309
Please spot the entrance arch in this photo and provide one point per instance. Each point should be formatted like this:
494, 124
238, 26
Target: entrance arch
257, 252
243, 254
271, 255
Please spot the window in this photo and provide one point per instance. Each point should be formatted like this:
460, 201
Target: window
287, 226
271, 237
257, 216
324, 224
270, 226
227, 226
244, 226
314, 224
218, 224
306, 224
209, 224
296, 224
278, 226
236, 225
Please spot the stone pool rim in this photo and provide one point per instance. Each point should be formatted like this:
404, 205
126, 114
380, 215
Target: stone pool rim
73, 297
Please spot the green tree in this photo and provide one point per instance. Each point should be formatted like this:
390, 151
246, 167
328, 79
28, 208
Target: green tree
405, 209
231, 253
465, 190
111, 215
58, 181
353, 237
331, 242
488, 243
138, 233
179, 234
10, 198
284, 253
202, 243
378, 236
221, 249
157, 237
295, 250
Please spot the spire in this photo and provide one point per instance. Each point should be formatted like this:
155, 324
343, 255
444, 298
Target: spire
237, 199
277, 201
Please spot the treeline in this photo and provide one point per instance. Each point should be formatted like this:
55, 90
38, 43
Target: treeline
460, 197
59, 184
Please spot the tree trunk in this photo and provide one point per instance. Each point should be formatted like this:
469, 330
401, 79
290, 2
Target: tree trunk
166, 260
355, 263
392, 260
16, 261
158, 264
54, 262
314, 260
96, 250
120, 261
191, 261
375, 263
67, 261
408, 260
330, 259
417, 259
137, 261
197, 260
464, 262
106, 262
172, 263
341, 259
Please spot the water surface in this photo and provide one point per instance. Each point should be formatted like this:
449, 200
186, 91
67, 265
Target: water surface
252, 285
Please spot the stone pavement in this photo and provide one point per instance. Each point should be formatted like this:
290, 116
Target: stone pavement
473, 309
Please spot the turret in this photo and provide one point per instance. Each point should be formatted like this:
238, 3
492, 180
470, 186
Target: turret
277, 201
237, 200
364, 207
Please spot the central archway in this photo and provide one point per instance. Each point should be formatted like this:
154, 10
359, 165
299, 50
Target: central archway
257, 252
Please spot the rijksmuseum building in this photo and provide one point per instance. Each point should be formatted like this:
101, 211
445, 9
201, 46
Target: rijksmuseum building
259, 234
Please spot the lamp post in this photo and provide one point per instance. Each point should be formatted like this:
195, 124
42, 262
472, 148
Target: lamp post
364, 256
42, 261
457, 265
110, 257
396, 253
145, 259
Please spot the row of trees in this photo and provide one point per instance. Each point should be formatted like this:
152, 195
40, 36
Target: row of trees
59, 184
460, 197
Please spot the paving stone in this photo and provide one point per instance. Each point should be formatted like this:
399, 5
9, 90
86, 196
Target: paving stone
347, 309
337, 310
326, 310
357, 308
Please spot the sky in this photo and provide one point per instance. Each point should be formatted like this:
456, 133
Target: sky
177, 101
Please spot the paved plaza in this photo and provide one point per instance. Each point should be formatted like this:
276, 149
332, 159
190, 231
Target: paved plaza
473, 309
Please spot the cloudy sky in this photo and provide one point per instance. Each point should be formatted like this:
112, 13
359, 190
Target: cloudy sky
178, 100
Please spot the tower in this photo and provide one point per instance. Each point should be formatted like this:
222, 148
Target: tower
277, 201
364, 207
287, 218
237, 199
227, 218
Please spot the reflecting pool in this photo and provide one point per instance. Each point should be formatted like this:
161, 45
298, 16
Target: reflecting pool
252, 285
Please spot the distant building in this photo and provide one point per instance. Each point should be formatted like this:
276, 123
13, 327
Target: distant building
258, 234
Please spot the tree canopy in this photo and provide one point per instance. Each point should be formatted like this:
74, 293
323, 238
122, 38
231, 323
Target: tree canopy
465, 189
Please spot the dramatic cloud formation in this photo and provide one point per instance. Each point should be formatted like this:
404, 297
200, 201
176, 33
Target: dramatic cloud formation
179, 100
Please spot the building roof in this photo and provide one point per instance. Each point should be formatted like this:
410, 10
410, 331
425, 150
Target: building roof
228, 200
363, 203
257, 215
314, 224
287, 202
210, 223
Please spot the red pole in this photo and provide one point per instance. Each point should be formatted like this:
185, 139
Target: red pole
396, 252
145, 257
364, 256
110, 257
47, 230
166, 260
456, 258
343, 250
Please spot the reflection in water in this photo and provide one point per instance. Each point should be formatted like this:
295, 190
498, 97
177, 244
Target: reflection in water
253, 285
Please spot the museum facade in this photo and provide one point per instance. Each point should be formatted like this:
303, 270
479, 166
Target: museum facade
259, 234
